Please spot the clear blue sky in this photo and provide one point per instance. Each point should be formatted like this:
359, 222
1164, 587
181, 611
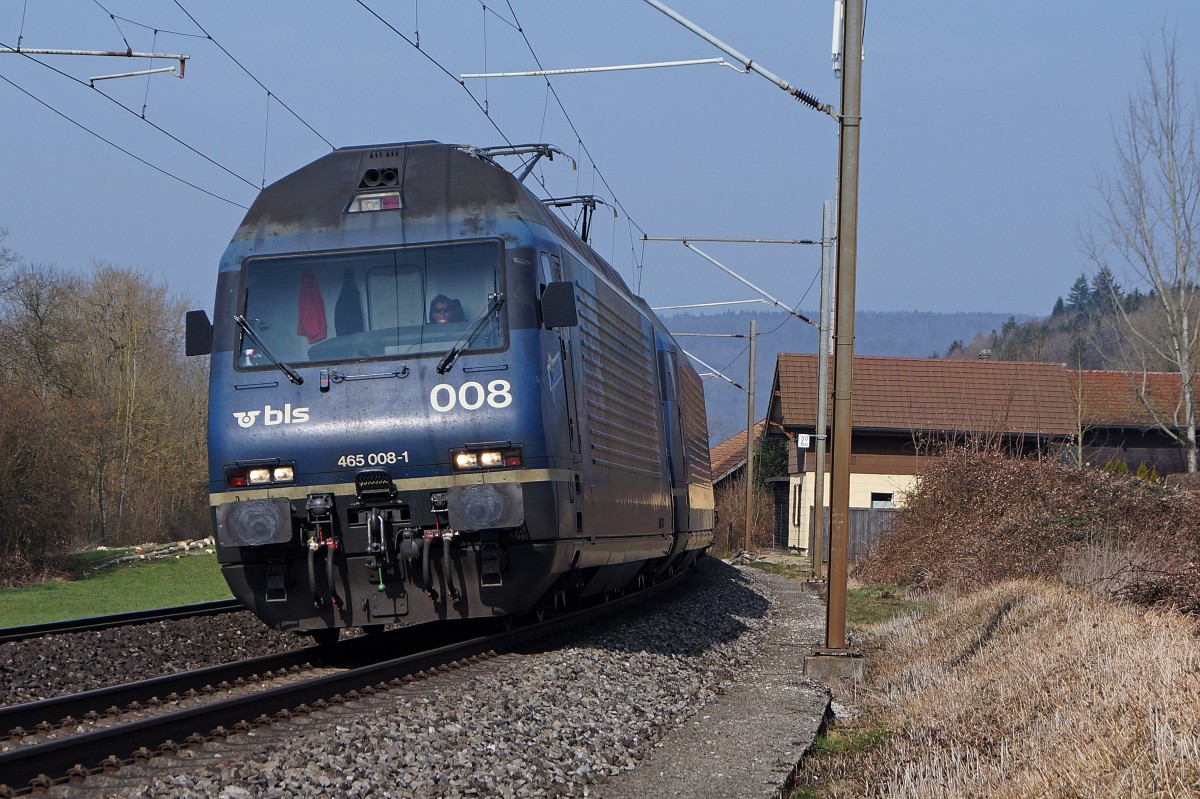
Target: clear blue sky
983, 125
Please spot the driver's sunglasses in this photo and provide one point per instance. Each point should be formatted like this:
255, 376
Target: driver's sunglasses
441, 309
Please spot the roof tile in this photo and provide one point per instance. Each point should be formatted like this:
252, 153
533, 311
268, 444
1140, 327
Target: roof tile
923, 394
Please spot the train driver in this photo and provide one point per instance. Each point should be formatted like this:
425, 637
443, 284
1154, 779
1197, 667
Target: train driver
443, 309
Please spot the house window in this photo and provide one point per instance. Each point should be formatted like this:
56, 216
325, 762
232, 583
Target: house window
879, 500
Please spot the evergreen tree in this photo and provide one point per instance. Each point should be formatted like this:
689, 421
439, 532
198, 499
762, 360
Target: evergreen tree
1106, 293
770, 458
1080, 297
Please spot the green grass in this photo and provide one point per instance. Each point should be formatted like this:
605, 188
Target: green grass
836, 743
118, 589
871, 604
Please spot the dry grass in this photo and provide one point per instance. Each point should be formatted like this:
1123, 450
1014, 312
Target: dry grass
1023, 689
1028, 680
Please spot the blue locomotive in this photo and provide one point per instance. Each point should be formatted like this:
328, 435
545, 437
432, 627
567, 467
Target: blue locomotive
430, 399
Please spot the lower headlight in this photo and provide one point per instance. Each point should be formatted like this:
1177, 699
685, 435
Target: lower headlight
485, 506
254, 522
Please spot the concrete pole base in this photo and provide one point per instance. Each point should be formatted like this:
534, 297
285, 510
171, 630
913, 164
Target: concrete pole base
840, 664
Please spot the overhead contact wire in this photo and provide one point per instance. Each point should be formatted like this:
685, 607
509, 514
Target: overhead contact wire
437, 64
117, 146
126, 108
571, 122
253, 78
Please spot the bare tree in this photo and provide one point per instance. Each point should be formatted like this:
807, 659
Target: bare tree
7, 256
102, 417
1149, 223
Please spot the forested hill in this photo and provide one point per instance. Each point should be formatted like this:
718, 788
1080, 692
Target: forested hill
910, 334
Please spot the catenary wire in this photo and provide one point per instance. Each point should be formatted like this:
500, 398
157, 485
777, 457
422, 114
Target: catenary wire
159, 30
266, 138
128, 47
86, 129
786, 319
437, 64
126, 108
570, 122
253, 78
616, 200
483, 109
483, 106
21, 31
146, 94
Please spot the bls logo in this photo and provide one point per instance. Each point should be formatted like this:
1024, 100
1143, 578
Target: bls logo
272, 416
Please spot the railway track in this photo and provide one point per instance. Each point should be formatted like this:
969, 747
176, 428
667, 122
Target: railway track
35, 767
28, 631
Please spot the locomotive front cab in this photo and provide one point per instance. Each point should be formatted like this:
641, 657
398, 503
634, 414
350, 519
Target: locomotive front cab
375, 434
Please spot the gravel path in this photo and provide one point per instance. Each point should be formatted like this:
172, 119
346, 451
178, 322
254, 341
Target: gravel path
565, 722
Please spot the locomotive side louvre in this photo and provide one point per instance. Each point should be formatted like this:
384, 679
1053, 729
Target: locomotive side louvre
625, 481
372, 462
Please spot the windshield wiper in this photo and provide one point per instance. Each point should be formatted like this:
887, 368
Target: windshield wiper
464, 341
291, 373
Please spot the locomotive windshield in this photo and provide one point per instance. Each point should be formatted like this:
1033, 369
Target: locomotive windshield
352, 306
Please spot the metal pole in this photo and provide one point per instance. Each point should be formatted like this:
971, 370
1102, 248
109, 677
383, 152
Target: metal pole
818, 528
750, 439
843, 365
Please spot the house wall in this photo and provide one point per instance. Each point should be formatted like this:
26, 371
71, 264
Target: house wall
862, 486
1134, 448
880, 464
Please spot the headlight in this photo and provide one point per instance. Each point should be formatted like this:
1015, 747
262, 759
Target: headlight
254, 523
468, 460
480, 507
245, 476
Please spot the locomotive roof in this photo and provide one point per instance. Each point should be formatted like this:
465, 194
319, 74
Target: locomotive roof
434, 179
443, 187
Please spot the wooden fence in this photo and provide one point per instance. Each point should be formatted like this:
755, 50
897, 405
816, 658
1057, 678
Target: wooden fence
867, 525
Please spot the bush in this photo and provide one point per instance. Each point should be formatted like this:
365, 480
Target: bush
730, 502
977, 518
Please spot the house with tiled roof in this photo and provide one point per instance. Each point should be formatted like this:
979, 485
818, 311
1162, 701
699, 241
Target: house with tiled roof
1122, 415
903, 409
728, 458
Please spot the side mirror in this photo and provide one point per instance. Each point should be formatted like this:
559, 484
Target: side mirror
558, 305
197, 333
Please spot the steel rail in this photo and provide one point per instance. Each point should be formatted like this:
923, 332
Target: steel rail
44, 714
27, 631
75, 757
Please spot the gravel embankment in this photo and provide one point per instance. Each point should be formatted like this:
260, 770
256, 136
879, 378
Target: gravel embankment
61, 664
535, 724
